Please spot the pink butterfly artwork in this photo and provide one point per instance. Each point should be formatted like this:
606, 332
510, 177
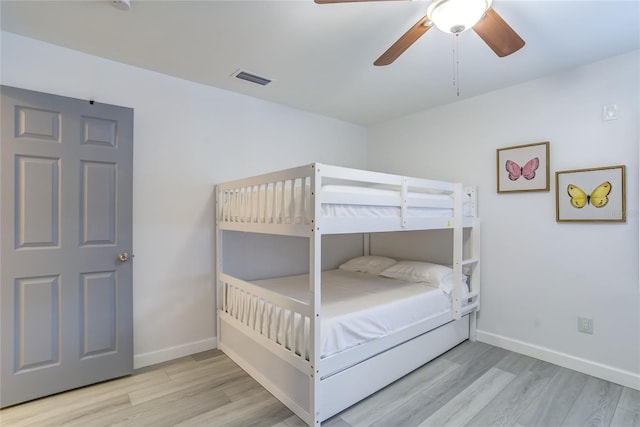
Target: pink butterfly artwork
528, 171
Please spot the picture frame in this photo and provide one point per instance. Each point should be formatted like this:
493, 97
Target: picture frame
523, 168
591, 195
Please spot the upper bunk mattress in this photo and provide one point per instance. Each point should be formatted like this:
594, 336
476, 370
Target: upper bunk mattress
380, 202
356, 308
293, 205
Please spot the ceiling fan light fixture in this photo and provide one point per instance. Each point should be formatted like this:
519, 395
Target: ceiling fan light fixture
456, 16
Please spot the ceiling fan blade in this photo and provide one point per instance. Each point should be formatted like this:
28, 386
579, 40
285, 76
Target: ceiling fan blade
497, 34
404, 42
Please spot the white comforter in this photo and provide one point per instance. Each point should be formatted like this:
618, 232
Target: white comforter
356, 308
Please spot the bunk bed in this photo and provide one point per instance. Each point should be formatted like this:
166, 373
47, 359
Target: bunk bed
278, 329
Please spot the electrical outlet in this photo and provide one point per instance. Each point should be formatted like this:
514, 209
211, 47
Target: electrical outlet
585, 325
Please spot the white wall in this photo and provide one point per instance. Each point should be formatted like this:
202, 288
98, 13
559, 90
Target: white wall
187, 137
538, 276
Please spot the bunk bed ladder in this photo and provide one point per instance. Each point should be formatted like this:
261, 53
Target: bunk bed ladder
473, 266
470, 265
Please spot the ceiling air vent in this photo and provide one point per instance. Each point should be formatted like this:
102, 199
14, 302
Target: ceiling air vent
253, 78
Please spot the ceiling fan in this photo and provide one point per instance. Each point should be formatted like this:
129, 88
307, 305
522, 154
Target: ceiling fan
455, 16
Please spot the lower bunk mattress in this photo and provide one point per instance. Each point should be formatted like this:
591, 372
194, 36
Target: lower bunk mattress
356, 308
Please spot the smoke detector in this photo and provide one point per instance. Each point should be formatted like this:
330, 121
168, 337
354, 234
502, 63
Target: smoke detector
121, 4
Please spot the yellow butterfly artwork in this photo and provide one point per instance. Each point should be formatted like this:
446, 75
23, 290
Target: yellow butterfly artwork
598, 197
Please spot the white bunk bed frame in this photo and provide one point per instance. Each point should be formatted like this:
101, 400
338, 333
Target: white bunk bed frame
317, 388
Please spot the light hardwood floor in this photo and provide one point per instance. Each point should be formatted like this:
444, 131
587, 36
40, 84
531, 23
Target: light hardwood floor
473, 384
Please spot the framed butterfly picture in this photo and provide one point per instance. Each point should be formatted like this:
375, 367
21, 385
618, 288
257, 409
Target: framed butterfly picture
523, 168
594, 195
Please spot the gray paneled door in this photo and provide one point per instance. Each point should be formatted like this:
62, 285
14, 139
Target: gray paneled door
65, 227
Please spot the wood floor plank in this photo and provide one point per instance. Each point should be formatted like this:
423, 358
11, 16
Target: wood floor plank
173, 364
508, 405
208, 389
42, 410
433, 398
242, 388
214, 376
265, 417
203, 368
232, 412
204, 355
396, 394
630, 399
625, 418
595, 405
452, 384
167, 409
542, 369
465, 352
63, 415
466, 404
627, 413
551, 406
336, 422
294, 421
516, 363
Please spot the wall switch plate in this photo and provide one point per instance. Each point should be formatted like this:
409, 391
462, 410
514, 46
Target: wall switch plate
585, 325
609, 112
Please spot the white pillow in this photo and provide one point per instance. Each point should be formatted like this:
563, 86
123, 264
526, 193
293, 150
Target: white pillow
416, 271
371, 264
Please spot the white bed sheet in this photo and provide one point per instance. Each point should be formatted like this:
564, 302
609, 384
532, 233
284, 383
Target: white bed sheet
356, 308
264, 203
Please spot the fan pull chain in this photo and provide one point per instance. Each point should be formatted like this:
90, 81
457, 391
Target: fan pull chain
456, 64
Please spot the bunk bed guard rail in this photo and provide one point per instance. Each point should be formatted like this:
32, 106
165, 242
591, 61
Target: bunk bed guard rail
280, 202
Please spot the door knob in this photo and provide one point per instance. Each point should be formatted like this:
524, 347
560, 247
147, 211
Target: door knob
123, 257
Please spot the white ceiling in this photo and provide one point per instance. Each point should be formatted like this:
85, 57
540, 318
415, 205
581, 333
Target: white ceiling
320, 57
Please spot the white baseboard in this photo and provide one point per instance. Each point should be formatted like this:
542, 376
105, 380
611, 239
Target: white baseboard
589, 367
159, 356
